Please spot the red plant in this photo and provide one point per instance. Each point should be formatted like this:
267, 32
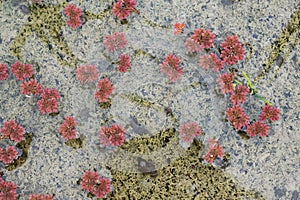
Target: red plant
40, 197
124, 63
8, 190
192, 46
3, 71
237, 117
113, 135
86, 74
189, 131
13, 131
67, 129
269, 113
170, 66
102, 188
49, 101
257, 128
178, 28
88, 180
104, 89
8, 155
91, 182
214, 151
205, 38
240, 94
122, 8
232, 50
31, 87
115, 41
211, 61
73, 13
22, 71
225, 81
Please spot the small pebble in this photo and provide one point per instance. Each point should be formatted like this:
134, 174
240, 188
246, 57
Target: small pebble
25, 9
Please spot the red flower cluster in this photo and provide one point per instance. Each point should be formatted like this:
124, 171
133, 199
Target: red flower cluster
115, 41
236, 115
31, 87
211, 61
91, 182
104, 89
8, 155
232, 50
257, 128
8, 190
67, 129
178, 28
214, 151
122, 8
113, 135
269, 113
22, 71
86, 74
170, 66
3, 71
124, 63
40, 197
49, 101
73, 13
13, 131
205, 38
189, 131
240, 94
225, 81
192, 45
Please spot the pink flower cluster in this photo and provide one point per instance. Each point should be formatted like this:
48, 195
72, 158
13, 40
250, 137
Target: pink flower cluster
237, 117
31, 87
225, 81
8, 155
124, 63
170, 66
213, 151
40, 197
91, 182
104, 89
22, 71
211, 61
12, 131
86, 74
115, 41
113, 135
49, 101
8, 190
232, 50
67, 128
122, 8
3, 71
73, 13
189, 131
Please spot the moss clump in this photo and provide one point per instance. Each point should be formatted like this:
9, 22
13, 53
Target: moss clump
184, 178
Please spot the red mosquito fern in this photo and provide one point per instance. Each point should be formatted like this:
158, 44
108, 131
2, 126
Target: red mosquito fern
269, 113
170, 66
22, 71
86, 74
67, 129
232, 50
122, 8
13, 131
205, 38
3, 71
257, 128
189, 131
236, 115
8, 155
211, 61
31, 87
124, 63
113, 135
104, 89
214, 151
